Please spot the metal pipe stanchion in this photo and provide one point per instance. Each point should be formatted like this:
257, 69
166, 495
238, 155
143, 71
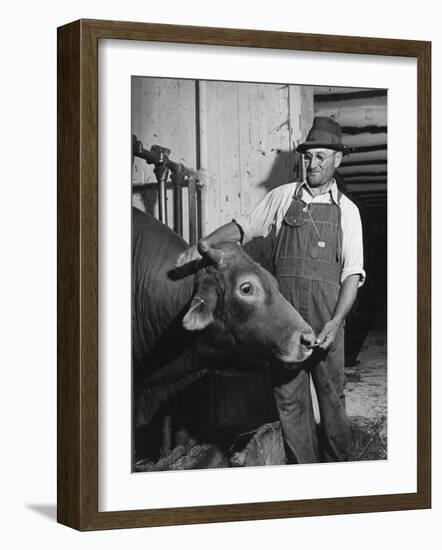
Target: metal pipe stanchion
177, 177
192, 210
159, 156
161, 172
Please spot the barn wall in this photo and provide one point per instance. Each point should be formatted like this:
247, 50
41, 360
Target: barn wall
362, 115
163, 113
248, 135
241, 136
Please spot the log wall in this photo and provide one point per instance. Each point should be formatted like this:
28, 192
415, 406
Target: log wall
362, 114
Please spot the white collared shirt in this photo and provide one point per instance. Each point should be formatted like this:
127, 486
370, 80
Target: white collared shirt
270, 212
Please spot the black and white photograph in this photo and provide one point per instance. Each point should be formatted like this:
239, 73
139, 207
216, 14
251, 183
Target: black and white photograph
217, 318
259, 274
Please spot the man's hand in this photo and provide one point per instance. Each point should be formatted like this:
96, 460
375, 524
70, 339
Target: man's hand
189, 255
328, 334
346, 299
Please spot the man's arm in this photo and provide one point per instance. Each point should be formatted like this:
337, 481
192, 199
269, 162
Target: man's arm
229, 232
257, 223
347, 296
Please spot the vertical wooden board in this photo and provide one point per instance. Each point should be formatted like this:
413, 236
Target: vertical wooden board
275, 157
307, 110
264, 140
269, 158
246, 139
163, 113
301, 113
138, 164
188, 136
176, 119
165, 133
210, 146
229, 151
247, 132
249, 144
203, 137
150, 119
295, 116
301, 119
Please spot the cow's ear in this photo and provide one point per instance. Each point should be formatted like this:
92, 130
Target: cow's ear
200, 313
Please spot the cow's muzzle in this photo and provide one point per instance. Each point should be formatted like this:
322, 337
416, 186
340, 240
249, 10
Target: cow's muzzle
298, 348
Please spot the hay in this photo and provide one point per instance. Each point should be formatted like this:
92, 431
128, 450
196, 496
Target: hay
369, 438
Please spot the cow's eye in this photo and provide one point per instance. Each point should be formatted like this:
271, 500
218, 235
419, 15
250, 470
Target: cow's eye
246, 289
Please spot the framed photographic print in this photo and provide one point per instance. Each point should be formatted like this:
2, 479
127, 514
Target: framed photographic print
243, 275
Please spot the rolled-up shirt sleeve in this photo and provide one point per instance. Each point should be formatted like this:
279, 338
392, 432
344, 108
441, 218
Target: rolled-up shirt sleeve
352, 244
259, 222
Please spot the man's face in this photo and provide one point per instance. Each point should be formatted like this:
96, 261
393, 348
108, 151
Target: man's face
321, 165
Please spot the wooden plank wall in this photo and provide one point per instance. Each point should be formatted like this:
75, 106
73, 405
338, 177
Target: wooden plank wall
163, 113
248, 135
241, 136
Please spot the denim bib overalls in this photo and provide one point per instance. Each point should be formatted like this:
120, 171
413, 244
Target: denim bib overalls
308, 269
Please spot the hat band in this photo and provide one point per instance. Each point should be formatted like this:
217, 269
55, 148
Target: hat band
327, 137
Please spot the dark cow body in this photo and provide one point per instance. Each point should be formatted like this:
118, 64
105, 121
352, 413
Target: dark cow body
158, 300
163, 352
226, 312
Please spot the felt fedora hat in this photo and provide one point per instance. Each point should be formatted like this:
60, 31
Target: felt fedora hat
325, 133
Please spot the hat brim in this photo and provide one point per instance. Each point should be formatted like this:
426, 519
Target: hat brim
323, 145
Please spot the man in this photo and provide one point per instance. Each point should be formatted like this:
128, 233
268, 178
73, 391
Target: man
318, 260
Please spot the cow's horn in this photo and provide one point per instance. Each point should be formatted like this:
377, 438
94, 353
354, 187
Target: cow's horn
213, 254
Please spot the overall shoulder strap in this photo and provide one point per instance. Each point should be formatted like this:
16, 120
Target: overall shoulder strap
298, 191
339, 197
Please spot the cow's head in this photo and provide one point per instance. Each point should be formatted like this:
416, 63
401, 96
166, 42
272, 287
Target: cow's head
237, 307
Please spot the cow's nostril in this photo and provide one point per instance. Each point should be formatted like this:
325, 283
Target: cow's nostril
308, 339
298, 347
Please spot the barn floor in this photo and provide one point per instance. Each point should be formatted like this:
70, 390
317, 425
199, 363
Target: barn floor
366, 398
366, 389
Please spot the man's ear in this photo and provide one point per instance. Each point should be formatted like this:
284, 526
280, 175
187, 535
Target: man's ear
338, 158
200, 312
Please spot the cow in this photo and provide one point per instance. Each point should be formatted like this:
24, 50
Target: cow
223, 312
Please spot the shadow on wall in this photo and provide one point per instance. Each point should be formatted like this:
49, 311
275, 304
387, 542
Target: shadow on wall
285, 169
